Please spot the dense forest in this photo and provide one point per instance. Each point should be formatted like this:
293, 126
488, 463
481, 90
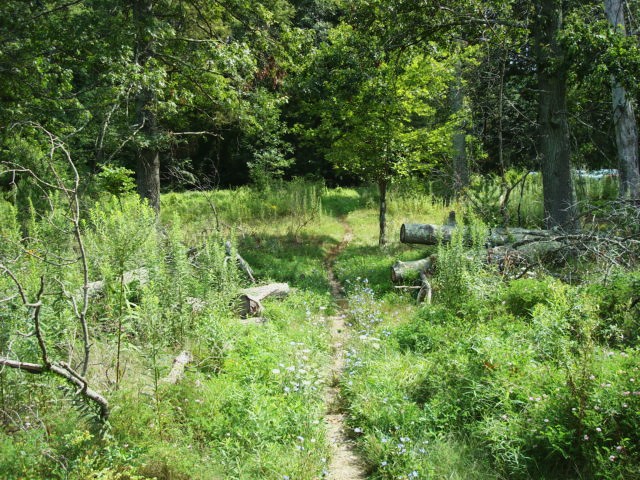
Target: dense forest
199, 209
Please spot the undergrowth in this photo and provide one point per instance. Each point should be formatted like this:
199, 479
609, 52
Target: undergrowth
528, 378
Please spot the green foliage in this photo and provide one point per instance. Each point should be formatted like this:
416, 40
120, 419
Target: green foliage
459, 269
121, 235
424, 329
522, 295
116, 181
618, 308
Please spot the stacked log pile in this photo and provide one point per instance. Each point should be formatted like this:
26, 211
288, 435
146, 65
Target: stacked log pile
509, 249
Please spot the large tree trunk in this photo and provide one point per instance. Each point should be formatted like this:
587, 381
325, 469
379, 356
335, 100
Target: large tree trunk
382, 188
148, 160
624, 118
460, 163
553, 135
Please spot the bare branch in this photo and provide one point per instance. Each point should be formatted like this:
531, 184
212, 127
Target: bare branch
65, 372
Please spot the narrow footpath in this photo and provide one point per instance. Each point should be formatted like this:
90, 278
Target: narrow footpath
345, 463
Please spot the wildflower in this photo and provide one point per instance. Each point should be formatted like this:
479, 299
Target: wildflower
383, 463
275, 371
619, 448
357, 430
612, 458
585, 438
598, 429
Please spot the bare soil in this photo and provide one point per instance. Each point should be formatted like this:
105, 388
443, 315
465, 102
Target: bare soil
345, 463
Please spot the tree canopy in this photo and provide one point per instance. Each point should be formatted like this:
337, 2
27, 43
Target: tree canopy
193, 93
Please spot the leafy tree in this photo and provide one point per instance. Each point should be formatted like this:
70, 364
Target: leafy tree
385, 115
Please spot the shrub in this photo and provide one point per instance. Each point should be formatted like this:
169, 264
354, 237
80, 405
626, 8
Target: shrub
619, 308
459, 272
424, 330
522, 295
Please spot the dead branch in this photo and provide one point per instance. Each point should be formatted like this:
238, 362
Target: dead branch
67, 374
71, 192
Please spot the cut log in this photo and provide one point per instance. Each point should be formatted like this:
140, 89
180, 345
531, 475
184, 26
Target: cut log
401, 271
177, 370
427, 234
251, 298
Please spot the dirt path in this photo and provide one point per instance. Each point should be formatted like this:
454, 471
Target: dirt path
345, 464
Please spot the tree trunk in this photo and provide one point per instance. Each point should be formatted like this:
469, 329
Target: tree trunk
382, 188
426, 234
624, 118
553, 134
148, 159
460, 164
177, 369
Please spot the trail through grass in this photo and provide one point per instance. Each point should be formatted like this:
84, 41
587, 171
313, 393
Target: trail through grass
345, 464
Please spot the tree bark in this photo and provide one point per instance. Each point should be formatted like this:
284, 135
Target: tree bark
148, 159
553, 130
624, 119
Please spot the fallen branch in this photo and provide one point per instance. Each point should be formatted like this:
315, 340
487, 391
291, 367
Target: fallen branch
242, 263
